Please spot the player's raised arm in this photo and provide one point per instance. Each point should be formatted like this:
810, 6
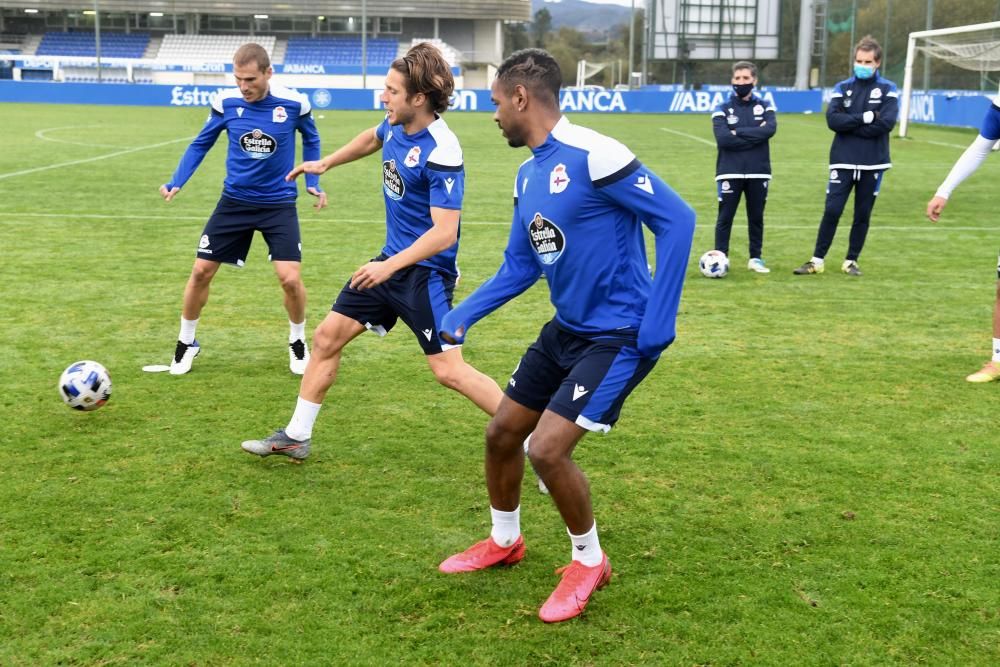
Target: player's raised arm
363, 145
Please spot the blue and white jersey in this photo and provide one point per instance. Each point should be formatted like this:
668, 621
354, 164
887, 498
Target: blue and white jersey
856, 144
579, 202
261, 145
420, 171
991, 123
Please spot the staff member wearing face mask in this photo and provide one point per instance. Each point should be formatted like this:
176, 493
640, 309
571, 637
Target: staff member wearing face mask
743, 125
862, 113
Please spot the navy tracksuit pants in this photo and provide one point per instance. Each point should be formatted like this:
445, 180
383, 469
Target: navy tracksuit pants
866, 184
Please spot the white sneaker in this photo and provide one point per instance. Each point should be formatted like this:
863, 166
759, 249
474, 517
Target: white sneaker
756, 264
298, 356
541, 485
184, 355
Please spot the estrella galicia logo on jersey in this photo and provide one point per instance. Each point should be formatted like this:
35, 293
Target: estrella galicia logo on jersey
546, 238
392, 182
558, 179
258, 145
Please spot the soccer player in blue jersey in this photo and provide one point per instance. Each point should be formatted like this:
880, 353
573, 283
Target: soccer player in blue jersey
966, 165
423, 181
861, 113
580, 201
261, 120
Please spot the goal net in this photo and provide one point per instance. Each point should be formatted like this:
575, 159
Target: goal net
972, 47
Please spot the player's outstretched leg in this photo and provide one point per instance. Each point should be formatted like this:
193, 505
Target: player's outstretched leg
278, 443
573, 593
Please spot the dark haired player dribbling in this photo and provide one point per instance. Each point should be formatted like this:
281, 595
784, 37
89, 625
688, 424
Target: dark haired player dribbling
261, 120
579, 204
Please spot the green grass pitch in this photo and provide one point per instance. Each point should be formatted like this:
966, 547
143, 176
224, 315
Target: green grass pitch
805, 478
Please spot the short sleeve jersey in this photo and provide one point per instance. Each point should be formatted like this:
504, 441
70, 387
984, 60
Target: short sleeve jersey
420, 171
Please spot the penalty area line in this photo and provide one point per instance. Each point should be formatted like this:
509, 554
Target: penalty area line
106, 156
688, 136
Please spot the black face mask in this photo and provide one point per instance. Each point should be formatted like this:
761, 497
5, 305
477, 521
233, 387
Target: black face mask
742, 89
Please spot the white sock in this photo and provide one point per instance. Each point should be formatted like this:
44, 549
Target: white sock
296, 331
817, 260
301, 425
586, 547
188, 327
506, 526
996, 349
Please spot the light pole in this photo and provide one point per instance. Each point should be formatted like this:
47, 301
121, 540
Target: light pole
631, 43
97, 38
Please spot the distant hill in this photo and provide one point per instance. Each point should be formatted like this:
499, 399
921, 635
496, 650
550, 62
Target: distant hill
586, 17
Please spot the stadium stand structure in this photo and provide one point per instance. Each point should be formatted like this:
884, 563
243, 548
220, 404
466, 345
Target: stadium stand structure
113, 44
208, 48
451, 54
339, 51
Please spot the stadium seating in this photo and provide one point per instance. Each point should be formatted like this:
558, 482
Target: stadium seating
113, 44
208, 48
339, 51
451, 54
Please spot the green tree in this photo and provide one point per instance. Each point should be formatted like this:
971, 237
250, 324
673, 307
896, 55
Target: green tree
541, 27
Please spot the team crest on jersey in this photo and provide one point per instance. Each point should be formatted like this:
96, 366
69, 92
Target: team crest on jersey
732, 120
413, 157
848, 93
258, 144
725, 186
558, 179
758, 110
833, 176
279, 115
392, 182
875, 94
204, 242
546, 238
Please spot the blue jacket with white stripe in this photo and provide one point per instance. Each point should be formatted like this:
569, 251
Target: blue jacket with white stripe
742, 130
858, 144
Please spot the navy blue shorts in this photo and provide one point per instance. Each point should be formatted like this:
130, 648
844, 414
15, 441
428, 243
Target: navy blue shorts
418, 295
228, 233
585, 379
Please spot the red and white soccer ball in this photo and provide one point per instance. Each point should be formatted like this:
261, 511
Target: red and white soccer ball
85, 385
714, 264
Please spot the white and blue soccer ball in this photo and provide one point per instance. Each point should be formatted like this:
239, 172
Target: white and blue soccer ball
714, 264
85, 385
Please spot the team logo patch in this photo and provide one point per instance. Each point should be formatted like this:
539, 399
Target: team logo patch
279, 115
833, 176
875, 94
258, 144
449, 183
546, 238
758, 110
725, 186
644, 184
413, 157
558, 179
732, 120
239, 111
848, 93
392, 182
204, 243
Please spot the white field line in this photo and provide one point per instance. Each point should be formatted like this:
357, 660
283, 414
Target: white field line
106, 156
69, 217
689, 136
43, 135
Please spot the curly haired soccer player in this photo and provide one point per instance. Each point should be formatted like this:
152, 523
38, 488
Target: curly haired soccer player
578, 202
412, 279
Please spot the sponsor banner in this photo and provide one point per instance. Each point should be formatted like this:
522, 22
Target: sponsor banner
571, 101
955, 109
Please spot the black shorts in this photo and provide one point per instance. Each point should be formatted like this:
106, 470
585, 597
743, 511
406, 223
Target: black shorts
418, 295
228, 233
584, 378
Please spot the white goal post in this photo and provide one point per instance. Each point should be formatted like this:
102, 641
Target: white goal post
959, 46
